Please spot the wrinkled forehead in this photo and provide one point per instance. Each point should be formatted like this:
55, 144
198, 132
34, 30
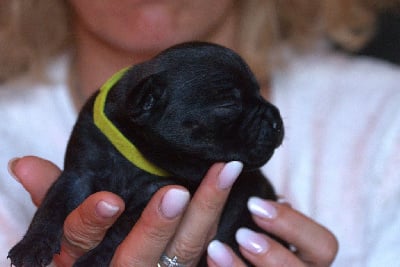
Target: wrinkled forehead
205, 76
201, 82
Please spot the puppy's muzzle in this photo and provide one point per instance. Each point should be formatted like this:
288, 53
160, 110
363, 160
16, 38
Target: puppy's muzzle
262, 131
271, 126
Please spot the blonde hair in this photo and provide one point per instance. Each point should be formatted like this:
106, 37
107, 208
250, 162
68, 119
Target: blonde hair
268, 24
31, 32
352, 23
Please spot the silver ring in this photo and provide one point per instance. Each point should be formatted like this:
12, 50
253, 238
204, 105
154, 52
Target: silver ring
166, 261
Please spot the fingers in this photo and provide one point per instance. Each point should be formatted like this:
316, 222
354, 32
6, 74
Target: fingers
35, 174
262, 250
221, 255
85, 227
156, 226
159, 222
315, 245
258, 248
202, 215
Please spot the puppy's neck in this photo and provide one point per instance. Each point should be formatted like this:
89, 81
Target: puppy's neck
119, 141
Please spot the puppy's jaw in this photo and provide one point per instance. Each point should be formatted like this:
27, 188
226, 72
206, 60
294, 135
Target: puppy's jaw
261, 132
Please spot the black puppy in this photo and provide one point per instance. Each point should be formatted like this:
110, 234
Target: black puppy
165, 121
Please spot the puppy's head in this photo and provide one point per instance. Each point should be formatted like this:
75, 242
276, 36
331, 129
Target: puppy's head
198, 103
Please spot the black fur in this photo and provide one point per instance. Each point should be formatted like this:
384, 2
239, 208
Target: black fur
190, 106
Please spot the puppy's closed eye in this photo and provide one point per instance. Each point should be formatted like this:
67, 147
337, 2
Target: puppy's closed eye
228, 104
228, 111
140, 106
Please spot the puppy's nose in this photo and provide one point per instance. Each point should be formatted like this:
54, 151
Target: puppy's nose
276, 124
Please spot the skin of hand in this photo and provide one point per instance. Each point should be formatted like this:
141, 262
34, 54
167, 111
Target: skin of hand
183, 229
311, 243
152, 234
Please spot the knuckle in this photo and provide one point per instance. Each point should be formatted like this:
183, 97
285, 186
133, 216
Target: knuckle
187, 250
208, 206
81, 233
154, 233
80, 239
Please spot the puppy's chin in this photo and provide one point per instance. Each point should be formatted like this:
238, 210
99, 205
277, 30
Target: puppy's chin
263, 144
257, 158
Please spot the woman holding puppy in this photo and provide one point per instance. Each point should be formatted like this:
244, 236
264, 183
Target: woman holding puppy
337, 164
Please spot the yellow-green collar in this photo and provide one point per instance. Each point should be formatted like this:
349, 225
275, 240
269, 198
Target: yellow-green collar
120, 142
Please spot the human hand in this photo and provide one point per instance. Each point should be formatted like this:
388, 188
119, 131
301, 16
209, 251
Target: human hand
314, 244
157, 230
86, 226
156, 233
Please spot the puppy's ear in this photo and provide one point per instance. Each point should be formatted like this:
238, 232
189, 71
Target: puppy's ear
145, 97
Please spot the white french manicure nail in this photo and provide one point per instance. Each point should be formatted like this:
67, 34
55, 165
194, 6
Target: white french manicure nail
229, 174
219, 254
10, 168
106, 209
174, 202
261, 208
251, 241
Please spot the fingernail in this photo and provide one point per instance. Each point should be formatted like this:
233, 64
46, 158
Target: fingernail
174, 202
219, 254
261, 208
253, 242
106, 210
229, 174
10, 167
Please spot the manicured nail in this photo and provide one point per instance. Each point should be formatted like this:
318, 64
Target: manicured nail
261, 208
220, 254
229, 174
174, 202
11, 165
253, 242
106, 210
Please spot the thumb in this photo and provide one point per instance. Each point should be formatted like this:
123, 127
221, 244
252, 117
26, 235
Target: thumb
35, 174
86, 226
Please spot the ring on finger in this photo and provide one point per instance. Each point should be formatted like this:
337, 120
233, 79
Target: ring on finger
166, 261
292, 248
